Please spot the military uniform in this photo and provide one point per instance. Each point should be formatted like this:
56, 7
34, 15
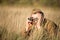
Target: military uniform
47, 31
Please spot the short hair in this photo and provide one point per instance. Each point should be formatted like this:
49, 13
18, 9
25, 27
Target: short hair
38, 11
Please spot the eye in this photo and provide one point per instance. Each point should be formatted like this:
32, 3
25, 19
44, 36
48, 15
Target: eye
35, 19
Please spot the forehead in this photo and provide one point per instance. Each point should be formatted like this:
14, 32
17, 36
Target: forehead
36, 15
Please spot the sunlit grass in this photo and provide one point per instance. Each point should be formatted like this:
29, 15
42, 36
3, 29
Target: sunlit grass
12, 20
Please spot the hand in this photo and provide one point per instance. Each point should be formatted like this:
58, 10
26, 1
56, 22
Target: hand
28, 24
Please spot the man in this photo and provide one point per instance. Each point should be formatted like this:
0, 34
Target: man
40, 28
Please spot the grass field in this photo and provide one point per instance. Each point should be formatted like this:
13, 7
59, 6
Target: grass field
12, 18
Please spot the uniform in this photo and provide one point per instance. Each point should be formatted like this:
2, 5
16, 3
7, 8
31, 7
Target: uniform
47, 31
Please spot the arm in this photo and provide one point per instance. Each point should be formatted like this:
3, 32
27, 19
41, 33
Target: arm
28, 25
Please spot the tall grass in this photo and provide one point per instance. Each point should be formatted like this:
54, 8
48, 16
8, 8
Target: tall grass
12, 20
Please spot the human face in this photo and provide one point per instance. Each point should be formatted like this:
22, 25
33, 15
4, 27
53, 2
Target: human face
37, 15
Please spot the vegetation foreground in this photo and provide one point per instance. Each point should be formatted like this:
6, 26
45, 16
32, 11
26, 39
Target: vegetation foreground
12, 20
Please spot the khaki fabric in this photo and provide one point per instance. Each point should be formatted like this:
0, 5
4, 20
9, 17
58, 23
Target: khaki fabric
47, 31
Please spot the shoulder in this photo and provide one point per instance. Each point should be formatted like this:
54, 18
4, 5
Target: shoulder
50, 24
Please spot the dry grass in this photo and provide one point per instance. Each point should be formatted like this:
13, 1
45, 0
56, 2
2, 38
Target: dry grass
13, 19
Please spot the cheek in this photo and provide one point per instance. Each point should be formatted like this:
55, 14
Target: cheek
39, 19
39, 16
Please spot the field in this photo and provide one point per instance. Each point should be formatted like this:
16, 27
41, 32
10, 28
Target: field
12, 19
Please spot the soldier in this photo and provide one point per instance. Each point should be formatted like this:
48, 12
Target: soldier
40, 28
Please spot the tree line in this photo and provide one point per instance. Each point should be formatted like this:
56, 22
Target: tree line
32, 2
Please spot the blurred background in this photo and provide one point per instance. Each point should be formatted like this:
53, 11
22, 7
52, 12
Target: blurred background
54, 3
32, 2
13, 15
